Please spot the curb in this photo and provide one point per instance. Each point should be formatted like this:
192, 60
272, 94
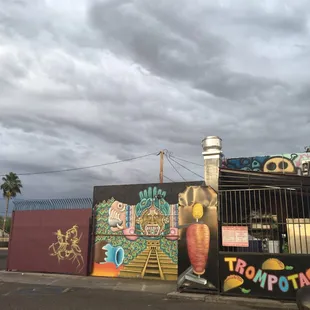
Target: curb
216, 299
89, 282
40, 274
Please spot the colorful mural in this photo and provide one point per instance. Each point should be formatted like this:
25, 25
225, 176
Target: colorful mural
198, 244
282, 163
263, 275
137, 240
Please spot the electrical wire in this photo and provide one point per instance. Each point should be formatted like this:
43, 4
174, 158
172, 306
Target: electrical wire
187, 168
86, 167
174, 167
185, 160
168, 178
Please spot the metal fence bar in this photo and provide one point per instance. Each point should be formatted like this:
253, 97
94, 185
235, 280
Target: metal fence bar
277, 217
53, 204
304, 216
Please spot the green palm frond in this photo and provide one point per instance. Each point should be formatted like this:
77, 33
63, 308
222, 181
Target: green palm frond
11, 185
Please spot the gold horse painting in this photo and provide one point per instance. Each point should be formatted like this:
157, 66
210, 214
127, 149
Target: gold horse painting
67, 247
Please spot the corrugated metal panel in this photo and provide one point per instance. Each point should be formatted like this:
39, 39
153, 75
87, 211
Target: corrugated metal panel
53, 204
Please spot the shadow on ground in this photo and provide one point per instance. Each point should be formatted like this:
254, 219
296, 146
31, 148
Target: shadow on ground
30, 297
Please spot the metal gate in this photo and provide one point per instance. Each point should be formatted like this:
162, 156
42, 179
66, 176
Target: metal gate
264, 234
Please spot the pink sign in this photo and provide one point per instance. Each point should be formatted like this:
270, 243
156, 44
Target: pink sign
236, 236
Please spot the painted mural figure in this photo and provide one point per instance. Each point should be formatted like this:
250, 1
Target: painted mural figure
198, 242
285, 163
198, 224
67, 247
137, 240
150, 217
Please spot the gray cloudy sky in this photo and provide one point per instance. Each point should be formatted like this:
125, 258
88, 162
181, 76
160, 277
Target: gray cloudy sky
87, 82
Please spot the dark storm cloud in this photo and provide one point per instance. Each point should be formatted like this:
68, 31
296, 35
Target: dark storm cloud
274, 24
173, 45
8, 165
154, 43
28, 124
103, 81
5, 85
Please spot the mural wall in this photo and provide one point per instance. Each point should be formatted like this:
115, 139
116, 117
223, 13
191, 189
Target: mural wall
274, 276
282, 163
198, 244
54, 241
136, 231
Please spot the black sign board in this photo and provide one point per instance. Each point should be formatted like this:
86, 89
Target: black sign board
276, 276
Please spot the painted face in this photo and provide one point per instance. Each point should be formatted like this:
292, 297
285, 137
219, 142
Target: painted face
279, 165
117, 216
152, 221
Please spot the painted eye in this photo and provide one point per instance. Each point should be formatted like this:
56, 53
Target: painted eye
120, 206
283, 165
272, 166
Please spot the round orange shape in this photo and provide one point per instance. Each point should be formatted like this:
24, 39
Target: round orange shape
106, 270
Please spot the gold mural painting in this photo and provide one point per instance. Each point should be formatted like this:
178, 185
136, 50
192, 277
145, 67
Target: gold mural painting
137, 240
67, 247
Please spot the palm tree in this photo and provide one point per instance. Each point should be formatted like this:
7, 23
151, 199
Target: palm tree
10, 187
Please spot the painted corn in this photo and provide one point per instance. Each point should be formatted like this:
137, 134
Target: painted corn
197, 211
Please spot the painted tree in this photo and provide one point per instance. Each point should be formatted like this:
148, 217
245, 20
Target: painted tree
10, 187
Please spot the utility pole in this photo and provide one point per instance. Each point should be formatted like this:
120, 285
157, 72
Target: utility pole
161, 167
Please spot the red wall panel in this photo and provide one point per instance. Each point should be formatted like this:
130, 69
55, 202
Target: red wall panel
54, 241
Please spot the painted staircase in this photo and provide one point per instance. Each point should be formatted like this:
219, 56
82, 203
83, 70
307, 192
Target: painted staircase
152, 263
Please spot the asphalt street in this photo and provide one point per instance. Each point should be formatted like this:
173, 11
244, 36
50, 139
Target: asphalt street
16, 296
3, 256
19, 291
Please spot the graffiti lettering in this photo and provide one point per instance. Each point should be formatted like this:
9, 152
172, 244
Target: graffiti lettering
282, 163
260, 277
265, 279
230, 261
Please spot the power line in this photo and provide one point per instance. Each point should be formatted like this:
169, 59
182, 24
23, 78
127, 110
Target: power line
86, 167
187, 168
174, 167
168, 178
187, 161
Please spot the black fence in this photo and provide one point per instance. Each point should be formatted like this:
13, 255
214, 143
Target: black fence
273, 210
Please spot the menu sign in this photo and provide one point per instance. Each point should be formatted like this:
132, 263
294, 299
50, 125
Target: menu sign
235, 236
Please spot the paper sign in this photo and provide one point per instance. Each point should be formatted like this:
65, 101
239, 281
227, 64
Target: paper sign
236, 236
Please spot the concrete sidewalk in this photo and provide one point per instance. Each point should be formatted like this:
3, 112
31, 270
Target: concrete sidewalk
116, 284
137, 285
256, 303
